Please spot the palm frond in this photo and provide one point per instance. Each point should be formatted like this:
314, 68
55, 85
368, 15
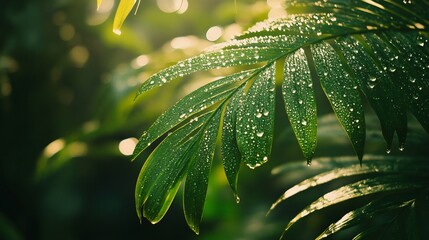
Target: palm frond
396, 185
378, 48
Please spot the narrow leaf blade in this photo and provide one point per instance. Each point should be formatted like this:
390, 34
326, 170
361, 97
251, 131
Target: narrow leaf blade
343, 96
255, 119
162, 172
124, 8
193, 103
231, 155
300, 104
198, 174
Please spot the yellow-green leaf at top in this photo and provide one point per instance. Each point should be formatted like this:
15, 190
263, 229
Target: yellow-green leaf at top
122, 12
98, 4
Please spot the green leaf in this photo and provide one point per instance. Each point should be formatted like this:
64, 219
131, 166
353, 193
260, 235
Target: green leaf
349, 46
231, 155
355, 190
163, 171
298, 96
198, 174
255, 119
209, 60
377, 87
188, 106
370, 210
379, 164
124, 8
342, 93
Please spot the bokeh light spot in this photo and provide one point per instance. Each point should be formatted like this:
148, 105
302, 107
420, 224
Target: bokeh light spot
126, 146
214, 33
171, 6
79, 55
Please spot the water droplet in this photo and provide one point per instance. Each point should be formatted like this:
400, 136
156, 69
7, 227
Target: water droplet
183, 115
259, 115
303, 122
351, 109
372, 79
237, 198
260, 134
401, 148
266, 113
265, 159
388, 151
300, 101
413, 80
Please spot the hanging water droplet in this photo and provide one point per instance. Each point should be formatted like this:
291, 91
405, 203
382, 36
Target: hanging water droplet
260, 134
237, 198
388, 150
401, 148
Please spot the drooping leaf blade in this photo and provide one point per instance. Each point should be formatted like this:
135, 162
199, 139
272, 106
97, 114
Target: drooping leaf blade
231, 155
198, 173
191, 104
342, 93
377, 87
255, 119
162, 172
300, 104
124, 8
